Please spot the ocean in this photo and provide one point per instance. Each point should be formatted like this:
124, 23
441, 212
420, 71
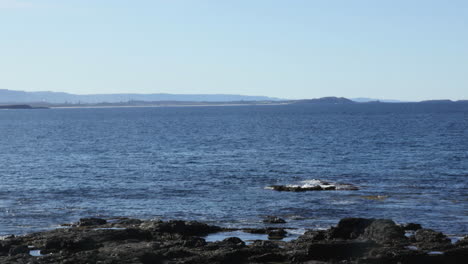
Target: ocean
212, 164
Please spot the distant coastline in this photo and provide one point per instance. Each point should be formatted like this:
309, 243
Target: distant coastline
130, 104
62, 100
30, 100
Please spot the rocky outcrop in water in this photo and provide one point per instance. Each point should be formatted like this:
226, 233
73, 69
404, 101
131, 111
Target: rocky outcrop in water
353, 240
274, 220
312, 185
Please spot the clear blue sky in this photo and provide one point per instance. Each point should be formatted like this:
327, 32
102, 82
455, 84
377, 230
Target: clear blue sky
394, 49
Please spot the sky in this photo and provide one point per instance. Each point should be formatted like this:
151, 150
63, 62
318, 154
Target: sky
386, 49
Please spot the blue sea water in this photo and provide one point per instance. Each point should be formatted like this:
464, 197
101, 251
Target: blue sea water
213, 164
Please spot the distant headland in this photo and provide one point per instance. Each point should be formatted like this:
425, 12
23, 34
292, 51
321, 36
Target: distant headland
10, 99
21, 107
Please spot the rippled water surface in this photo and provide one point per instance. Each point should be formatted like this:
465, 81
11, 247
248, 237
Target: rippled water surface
213, 164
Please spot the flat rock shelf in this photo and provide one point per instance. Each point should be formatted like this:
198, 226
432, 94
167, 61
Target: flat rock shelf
352, 240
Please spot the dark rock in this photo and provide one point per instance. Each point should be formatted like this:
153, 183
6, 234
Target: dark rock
192, 242
91, 222
350, 228
4, 248
352, 241
120, 234
128, 221
456, 255
396, 255
74, 244
190, 228
384, 231
412, 227
230, 243
462, 242
430, 240
313, 236
277, 234
338, 250
175, 253
268, 258
274, 220
151, 258
264, 244
21, 249
284, 188
226, 256
233, 242
256, 230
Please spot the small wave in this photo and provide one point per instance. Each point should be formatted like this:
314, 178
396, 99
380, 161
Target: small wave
343, 202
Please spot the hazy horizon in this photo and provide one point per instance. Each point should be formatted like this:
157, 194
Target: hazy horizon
409, 51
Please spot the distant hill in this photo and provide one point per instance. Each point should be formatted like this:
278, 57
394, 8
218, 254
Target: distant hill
325, 100
366, 100
18, 97
20, 107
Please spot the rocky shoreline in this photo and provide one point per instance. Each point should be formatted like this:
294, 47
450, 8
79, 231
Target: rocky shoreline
353, 240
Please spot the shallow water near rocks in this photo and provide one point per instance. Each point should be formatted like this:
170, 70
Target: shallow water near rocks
35, 253
212, 164
248, 238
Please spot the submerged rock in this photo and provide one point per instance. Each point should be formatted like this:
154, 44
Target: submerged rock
274, 220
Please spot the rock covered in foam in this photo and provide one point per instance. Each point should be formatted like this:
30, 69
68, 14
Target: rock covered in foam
312, 185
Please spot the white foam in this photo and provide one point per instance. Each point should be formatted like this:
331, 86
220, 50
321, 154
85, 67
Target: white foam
324, 184
312, 183
6, 237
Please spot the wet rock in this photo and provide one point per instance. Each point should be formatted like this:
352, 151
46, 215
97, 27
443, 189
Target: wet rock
313, 236
192, 242
21, 249
396, 255
338, 250
350, 228
75, 244
232, 242
286, 188
352, 241
412, 227
191, 228
264, 244
430, 240
456, 255
277, 234
4, 248
91, 222
462, 242
274, 220
128, 222
384, 231
256, 230
267, 258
